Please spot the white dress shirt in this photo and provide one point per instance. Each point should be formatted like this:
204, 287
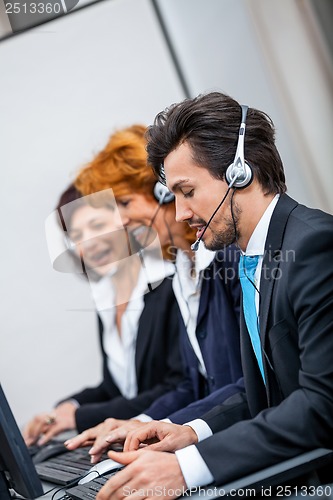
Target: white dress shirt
193, 467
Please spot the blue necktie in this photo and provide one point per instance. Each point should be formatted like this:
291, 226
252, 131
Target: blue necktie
247, 269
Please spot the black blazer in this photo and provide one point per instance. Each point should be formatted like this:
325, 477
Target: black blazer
217, 331
157, 360
294, 412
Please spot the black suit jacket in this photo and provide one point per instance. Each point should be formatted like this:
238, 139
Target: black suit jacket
157, 360
294, 412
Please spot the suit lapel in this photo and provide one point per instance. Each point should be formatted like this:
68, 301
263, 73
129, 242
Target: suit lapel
204, 298
272, 256
145, 329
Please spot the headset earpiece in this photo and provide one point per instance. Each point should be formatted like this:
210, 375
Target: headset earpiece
239, 174
162, 194
242, 174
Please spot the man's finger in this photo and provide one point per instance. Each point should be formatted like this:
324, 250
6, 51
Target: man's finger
83, 439
112, 486
30, 440
159, 446
32, 432
123, 458
49, 434
95, 458
136, 438
122, 478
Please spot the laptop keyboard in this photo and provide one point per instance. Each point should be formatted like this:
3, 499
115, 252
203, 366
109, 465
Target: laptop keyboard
88, 491
64, 468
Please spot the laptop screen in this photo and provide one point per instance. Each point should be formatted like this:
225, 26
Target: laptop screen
16, 468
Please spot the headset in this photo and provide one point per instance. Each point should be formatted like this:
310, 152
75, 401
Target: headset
238, 175
162, 194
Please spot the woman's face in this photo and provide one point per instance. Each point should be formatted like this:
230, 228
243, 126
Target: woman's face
138, 212
98, 238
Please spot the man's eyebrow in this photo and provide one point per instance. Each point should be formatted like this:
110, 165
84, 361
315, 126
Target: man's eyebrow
179, 184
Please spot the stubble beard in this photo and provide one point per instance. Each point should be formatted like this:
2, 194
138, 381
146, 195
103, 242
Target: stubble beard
230, 233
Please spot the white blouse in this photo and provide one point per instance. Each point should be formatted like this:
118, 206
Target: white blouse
120, 350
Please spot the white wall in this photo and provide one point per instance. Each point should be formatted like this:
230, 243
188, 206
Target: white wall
64, 87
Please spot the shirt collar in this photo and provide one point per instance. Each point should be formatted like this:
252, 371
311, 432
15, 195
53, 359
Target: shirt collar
256, 244
203, 258
155, 267
153, 270
102, 292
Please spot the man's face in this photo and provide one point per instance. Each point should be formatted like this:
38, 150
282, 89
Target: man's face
198, 194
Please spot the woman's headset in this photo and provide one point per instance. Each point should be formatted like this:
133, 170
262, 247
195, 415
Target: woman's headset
162, 194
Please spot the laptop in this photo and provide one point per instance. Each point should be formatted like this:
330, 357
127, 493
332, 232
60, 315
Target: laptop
18, 473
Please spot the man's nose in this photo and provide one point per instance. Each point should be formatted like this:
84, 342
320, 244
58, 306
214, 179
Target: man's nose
183, 211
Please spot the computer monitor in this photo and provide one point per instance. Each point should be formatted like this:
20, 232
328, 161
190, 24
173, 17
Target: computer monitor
17, 471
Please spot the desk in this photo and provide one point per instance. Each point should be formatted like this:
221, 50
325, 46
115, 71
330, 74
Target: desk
53, 488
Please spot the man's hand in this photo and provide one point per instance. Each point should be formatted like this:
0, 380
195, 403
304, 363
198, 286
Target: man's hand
45, 426
161, 436
111, 431
148, 474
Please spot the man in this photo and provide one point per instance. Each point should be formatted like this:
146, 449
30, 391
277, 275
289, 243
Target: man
287, 356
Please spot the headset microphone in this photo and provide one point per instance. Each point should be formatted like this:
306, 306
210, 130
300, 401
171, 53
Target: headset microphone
195, 245
238, 175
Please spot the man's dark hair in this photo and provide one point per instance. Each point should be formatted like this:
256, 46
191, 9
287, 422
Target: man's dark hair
209, 124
